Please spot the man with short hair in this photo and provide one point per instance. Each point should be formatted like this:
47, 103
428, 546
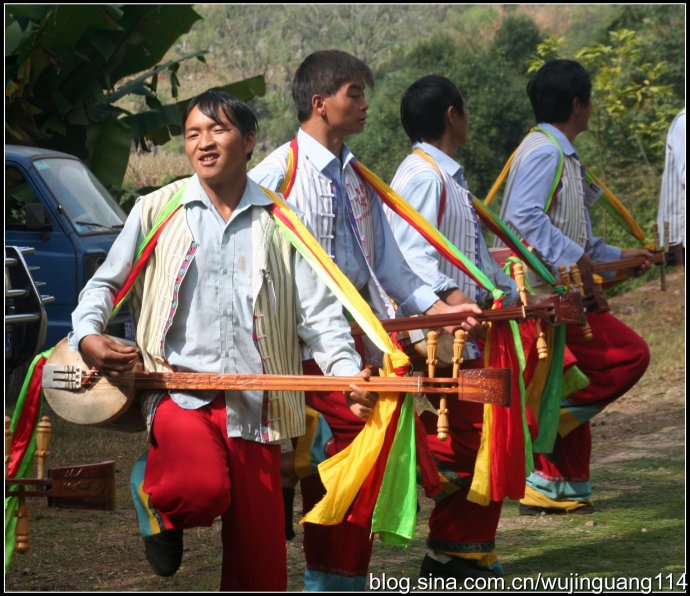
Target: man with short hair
462, 534
552, 215
223, 292
318, 175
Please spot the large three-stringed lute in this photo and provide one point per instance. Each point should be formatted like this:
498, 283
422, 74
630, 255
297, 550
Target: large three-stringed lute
82, 395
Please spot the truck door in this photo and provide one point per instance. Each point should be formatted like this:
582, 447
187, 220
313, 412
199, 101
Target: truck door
30, 222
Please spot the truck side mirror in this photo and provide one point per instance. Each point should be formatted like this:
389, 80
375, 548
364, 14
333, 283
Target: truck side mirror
36, 217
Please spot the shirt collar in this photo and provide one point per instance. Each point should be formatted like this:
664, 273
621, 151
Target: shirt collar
563, 141
253, 195
321, 157
445, 162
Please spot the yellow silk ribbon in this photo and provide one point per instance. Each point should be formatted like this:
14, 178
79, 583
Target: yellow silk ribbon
343, 474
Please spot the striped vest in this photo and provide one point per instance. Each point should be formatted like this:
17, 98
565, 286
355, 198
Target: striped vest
312, 194
459, 222
567, 210
672, 195
154, 303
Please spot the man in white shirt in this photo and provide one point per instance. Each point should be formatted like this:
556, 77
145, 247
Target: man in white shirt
348, 220
672, 195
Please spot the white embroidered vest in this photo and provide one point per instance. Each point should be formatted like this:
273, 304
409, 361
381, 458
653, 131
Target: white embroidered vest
312, 194
458, 223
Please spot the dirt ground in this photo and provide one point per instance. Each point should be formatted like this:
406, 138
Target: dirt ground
102, 551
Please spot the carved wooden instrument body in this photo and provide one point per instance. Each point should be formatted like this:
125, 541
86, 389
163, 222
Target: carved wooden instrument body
83, 396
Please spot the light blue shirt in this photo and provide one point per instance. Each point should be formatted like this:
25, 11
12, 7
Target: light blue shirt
390, 267
525, 208
423, 192
212, 328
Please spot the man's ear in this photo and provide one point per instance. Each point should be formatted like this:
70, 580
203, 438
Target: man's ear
577, 106
249, 142
318, 105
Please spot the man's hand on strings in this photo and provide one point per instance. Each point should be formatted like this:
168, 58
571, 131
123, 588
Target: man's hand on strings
110, 357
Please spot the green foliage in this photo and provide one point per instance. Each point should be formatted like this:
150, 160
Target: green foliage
515, 40
486, 50
68, 67
493, 88
663, 27
548, 49
632, 104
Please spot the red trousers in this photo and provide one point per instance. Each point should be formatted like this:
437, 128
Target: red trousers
614, 360
343, 549
196, 473
456, 525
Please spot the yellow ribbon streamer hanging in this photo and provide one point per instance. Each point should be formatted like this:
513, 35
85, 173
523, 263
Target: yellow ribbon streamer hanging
343, 474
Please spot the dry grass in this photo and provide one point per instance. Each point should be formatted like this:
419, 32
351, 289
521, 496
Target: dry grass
155, 169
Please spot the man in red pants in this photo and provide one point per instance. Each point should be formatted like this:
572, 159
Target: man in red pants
348, 220
552, 215
462, 534
223, 292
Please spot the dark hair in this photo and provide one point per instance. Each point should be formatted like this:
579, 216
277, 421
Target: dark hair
424, 104
323, 73
555, 86
212, 102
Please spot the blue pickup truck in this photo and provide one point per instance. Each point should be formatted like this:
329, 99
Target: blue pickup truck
56, 206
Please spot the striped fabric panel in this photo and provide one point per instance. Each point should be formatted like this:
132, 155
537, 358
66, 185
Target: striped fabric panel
458, 223
672, 202
275, 328
311, 194
568, 208
155, 288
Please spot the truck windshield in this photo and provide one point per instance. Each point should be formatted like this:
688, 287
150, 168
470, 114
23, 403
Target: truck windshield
84, 200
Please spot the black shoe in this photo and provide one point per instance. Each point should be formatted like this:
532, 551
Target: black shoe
288, 502
534, 510
457, 568
164, 551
